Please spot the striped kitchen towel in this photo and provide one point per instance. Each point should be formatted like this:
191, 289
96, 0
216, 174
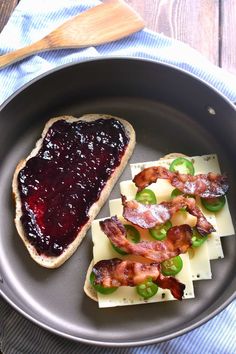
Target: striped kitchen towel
30, 21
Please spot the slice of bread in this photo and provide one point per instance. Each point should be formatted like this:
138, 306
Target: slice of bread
56, 261
88, 288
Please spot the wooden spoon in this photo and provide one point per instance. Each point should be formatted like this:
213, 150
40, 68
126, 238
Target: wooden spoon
104, 23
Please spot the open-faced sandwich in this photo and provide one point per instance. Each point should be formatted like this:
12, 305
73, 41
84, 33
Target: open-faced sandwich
63, 183
161, 234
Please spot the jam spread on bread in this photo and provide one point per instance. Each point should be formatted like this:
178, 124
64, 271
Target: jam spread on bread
59, 185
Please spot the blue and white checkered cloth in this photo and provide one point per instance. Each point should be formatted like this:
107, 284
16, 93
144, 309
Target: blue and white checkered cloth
32, 20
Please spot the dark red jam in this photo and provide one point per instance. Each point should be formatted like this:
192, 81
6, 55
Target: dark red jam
59, 185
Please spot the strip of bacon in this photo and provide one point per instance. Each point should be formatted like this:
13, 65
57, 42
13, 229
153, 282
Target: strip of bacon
151, 215
116, 272
177, 241
209, 185
171, 283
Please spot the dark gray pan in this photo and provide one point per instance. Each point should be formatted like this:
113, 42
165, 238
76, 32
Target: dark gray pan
171, 111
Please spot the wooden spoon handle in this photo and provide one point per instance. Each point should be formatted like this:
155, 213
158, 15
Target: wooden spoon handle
21, 53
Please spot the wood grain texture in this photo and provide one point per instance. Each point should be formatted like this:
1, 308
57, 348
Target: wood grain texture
6, 8
195, 22
207, 25
228, 35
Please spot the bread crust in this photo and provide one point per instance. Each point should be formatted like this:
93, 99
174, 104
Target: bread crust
88, 289
173, 155
56, 261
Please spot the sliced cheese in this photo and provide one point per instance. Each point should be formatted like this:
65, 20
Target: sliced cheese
214, 245
115, 207
202, 164
196, 261
215, 250
200, 263
199, 260
185, 276
182, 217
128, 295
162, 189
128, 189
223, 220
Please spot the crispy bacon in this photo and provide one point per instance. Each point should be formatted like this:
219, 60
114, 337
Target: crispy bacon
171, 283
151, 215
177, 241
209, 185
116, 272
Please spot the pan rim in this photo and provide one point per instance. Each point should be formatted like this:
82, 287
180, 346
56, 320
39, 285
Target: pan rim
112, 58
123, 343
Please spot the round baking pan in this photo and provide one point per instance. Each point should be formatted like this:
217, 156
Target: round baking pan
171, 111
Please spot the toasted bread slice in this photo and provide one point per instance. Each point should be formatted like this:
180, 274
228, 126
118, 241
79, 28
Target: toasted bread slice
56, 261
88, 289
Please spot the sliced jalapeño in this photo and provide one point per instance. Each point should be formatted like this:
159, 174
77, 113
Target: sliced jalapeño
146, 196
175, 193
99, 288
132, 234
213, 204
147, 289
182, 165
197, 239
172, 266
160, 232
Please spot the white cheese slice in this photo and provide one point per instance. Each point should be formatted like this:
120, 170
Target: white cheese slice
214, 245
185, 277
202, 164
162, 189
196, 261
128, 295
200, 267
223, 220
128, 189
115, 207
200, 262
